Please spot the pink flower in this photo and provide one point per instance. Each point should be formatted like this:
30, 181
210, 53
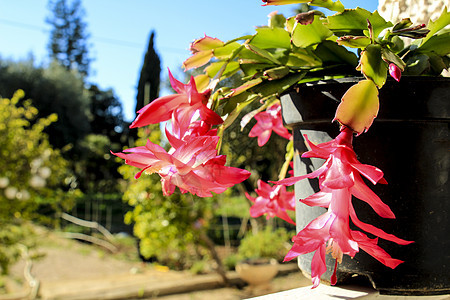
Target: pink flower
188, 102
339, 179
266, 122
272, 201
395, 72
183, 129
193, 166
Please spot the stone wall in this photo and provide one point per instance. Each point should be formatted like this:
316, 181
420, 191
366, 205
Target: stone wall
420, 11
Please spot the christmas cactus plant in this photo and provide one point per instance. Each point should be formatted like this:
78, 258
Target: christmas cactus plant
307, 47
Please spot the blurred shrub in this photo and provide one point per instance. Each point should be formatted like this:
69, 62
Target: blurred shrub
267, 243
168, 228
34, 178
231, 261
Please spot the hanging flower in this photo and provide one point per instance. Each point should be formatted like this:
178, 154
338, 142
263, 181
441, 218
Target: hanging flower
188, 102
193, 166
339, 179
272, 201
268, 121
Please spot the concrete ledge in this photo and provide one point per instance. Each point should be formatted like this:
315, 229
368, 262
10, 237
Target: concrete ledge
325, 292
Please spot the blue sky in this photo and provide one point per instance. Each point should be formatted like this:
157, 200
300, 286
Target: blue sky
120, 29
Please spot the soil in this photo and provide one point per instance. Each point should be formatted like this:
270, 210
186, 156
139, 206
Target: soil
67, 261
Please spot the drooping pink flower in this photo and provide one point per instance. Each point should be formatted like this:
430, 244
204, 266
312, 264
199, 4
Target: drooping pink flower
272, 201
188, 102
268, 121
395, 71
339, 179
193, 166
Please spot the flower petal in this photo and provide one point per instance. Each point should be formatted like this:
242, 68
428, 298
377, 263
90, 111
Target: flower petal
159, 110
292, 180
318, 266
376, 231
370, 172
371, 247
361, 191
321, 199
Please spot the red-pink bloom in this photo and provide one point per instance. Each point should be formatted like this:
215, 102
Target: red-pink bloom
395, 72
193, 166
183, 129
339, 179
272, 201
188, 102
266, 122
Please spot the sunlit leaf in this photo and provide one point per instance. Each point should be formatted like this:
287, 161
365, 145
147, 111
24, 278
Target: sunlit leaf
277, 20
354, 41
263, 53
435, 26
404, 23
248, 56
251, 69
329, 4
201, 82
206, 43
234, 105
247, 85
276, 73
290, 24
354, 22
276, 87
328, 51
373, 66
303, 58
359, 106
267, 89
231, 68
267, 38
226, 51
307, 35
439, 44
198, 59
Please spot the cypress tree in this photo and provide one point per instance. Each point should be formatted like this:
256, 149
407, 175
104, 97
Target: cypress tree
149, 80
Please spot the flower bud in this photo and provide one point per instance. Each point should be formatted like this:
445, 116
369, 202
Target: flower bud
395, 72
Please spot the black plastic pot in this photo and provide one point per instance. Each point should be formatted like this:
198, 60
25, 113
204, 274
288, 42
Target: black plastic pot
410, 142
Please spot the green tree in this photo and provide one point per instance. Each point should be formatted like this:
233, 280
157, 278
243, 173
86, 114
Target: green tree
53, 90
108, 133
149, 80
68, 37
107, 115
35, 180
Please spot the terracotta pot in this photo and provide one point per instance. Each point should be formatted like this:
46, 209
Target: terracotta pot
410, 142
257, 274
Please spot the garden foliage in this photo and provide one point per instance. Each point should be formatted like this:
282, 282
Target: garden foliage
34, 177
